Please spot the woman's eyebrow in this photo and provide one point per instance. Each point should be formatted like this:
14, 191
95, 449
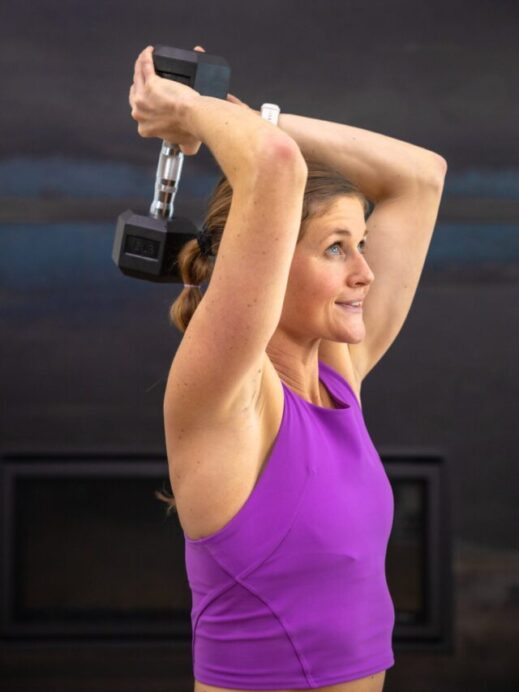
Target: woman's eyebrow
345, 231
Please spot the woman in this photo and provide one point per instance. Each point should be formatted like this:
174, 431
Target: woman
283, 499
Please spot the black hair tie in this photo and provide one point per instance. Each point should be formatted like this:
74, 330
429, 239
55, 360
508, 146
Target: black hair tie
204, 242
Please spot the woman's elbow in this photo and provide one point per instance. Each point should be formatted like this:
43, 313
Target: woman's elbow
433, 169
438, 167
442, 165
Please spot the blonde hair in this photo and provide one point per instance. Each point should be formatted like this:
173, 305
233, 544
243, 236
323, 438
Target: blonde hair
323, 185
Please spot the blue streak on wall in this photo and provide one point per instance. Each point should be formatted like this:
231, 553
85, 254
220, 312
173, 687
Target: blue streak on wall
34, 256
65, 273
80, 178
473, 243
77, 178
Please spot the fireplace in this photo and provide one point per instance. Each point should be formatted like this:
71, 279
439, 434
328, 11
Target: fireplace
88, 552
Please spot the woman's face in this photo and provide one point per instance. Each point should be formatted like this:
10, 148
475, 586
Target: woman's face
328, 267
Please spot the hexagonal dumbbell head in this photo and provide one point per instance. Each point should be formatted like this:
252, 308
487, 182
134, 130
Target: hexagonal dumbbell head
147, 248
208, 74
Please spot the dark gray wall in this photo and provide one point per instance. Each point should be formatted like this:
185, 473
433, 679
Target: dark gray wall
441, 74
85, 351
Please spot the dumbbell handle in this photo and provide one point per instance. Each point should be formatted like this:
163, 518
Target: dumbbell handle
169, 170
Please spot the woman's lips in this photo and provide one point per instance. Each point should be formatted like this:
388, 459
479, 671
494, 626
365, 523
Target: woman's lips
351, 308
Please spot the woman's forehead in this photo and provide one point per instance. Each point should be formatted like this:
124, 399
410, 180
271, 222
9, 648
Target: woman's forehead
345, 216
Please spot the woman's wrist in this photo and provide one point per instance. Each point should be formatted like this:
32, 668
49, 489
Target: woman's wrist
236, 137
189, 119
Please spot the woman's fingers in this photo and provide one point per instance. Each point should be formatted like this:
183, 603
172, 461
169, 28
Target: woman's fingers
137, 76
143, 68
150, 103
148, 69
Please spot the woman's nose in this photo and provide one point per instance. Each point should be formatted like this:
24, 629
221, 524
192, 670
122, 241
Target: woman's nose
363, 271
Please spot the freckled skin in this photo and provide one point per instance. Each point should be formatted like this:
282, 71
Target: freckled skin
318, 278
320, 275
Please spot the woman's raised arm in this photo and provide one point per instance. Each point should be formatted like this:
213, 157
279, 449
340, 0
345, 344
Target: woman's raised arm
405, 182
238, 139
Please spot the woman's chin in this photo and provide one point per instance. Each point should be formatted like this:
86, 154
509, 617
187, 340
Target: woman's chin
355, 334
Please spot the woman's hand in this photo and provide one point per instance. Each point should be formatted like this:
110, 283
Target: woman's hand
159, 105
230, 97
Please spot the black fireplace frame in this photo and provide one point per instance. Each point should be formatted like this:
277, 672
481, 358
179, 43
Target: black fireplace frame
428, 467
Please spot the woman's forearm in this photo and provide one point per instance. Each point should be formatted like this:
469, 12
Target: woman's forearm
238, 139
378, 165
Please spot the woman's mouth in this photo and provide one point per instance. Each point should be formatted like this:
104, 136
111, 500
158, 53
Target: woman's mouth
350, 308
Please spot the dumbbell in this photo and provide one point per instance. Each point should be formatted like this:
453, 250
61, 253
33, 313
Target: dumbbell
146, 246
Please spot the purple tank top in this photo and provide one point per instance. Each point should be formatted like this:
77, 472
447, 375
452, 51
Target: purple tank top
292, 591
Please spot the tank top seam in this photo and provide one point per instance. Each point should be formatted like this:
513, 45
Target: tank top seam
250, 569
300, 657
236, 580
209, 598
246, 573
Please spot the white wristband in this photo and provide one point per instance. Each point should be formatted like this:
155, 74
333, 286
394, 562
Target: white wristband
270, 112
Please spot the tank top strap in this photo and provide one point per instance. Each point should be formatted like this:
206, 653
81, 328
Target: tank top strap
337, 385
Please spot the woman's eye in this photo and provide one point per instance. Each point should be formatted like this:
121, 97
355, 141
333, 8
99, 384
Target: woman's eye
334, 245
362, 245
